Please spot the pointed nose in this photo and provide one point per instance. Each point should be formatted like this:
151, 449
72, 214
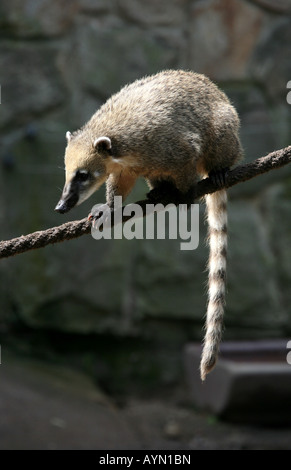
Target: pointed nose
69, 198
62, 207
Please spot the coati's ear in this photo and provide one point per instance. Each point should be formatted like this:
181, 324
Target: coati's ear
103, 145
68, 136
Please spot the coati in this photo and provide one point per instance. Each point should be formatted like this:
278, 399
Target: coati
176, 127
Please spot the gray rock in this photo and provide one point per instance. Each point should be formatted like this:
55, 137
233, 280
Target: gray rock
222, 38
53, 408
27, 18
233, 390
262, 130
270, 65
280, 6
251, 278
30, 83
90, 50
97, 51
153, 13
276, 210
97, 6
171, 282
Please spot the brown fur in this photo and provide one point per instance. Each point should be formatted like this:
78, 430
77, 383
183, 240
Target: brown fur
175, 126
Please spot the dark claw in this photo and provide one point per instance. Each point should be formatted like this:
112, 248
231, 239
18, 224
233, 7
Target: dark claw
218, 177
101, 218
98, 214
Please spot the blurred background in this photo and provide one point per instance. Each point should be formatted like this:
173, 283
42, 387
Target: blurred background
93, 333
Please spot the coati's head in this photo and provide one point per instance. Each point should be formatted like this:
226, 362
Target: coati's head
86, 168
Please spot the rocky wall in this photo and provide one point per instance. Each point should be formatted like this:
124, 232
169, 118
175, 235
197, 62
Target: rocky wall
59, 60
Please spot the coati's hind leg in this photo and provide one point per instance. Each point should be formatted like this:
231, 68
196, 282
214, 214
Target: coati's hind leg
167, 192
164, 192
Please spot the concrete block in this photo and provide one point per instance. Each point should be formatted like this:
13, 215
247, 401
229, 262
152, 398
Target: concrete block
250, 384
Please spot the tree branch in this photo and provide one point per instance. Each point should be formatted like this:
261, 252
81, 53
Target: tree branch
75, 229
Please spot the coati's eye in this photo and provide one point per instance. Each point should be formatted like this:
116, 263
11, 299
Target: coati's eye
82, 175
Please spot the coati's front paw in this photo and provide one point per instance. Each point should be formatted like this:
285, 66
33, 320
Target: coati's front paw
100, 215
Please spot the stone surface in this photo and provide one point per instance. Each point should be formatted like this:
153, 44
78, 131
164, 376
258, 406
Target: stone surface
273, 74
54, 407
223, 35
154, 13
276, 210
58, 62
251, 270
30, 83
163, 270
280, 6
51, 409
250, 383
27, 18
97, 47
97, 6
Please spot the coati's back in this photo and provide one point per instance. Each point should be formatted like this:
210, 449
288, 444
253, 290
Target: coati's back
175, 126
171, 117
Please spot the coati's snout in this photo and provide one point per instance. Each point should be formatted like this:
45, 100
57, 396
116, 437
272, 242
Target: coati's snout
78, 189
69, 199
85, 170
62, 207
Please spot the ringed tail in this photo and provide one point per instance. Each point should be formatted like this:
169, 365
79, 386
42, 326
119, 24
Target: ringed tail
216, 205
